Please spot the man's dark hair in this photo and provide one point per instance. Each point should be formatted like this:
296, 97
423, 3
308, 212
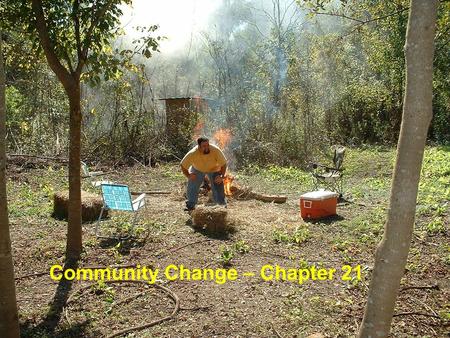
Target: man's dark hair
202, 139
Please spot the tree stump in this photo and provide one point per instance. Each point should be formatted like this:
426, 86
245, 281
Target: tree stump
91, 205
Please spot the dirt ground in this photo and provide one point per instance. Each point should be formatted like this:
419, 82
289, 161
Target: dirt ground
265, 234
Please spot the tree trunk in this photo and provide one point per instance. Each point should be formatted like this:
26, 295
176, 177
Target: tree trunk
9, 320
74, 231
71, 84
392, 252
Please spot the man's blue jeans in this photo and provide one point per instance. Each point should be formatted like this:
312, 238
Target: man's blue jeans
193, 188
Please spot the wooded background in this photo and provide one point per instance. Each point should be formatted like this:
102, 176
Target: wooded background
287, 78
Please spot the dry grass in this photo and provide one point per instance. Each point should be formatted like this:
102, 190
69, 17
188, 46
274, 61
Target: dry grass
91, 204
213, 219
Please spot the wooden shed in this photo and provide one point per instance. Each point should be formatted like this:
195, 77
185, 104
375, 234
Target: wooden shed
182, 114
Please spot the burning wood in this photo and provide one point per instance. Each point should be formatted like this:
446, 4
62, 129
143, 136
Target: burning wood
227, 181
235, 191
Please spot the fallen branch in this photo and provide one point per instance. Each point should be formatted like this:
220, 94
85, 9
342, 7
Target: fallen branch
32, 275
416, 314
155, 192
60, 159
128, 299
195, 308
433, 287
247, 193
269, 198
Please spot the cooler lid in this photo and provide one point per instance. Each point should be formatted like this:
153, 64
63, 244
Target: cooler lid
319, 195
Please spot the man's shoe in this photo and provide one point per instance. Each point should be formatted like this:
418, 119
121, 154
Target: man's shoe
189, 209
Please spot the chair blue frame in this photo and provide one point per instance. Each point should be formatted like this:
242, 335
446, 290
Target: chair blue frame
118, 197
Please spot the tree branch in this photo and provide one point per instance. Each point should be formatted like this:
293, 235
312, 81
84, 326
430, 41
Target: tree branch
76, 20
87, 40
41, 26
363, 22
69, 62
340, 15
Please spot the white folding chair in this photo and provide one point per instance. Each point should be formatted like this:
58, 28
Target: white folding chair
86, 173
118, 197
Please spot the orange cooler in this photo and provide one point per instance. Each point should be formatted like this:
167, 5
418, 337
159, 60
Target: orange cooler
318, 204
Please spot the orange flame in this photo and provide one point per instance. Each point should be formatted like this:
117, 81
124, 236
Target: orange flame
222, 137
228, 179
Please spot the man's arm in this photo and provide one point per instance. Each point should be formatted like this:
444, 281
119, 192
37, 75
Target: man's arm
185, 171
189, 176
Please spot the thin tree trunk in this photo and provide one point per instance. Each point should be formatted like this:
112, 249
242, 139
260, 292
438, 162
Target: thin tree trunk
9, 320
392, 252
74, 233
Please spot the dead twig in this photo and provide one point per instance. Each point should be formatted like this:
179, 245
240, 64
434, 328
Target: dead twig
158, 254
32, 275
139, 162
126, 300
195, 308
208, 265
275, 330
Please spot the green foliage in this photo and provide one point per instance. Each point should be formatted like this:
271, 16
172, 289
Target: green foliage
436, 226
299, 235
226, 255
35, 200
108, 293
286, 91
16, 118
241, 247
434, 191
82, 34
277, 173
280, 236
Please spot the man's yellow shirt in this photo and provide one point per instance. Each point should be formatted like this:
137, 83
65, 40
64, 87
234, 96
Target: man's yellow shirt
206, 163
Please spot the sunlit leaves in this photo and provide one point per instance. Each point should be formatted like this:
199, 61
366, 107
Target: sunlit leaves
76, 26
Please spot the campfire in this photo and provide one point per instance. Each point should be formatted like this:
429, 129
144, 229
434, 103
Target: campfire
222, 138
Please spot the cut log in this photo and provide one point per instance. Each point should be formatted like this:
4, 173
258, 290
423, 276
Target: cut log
269, 198
246, 193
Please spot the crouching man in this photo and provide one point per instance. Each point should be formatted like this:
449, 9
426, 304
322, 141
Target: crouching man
204, 159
